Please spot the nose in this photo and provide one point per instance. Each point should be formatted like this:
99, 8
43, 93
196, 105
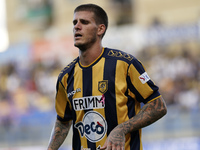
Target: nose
77, 26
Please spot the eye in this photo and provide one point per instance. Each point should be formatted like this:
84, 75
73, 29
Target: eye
84, 22
74, 22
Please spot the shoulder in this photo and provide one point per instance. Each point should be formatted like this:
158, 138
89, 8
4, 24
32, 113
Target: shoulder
68, 69
127, 58
119, 55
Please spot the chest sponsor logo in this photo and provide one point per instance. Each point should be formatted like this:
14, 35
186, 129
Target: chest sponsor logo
90, 102
144, 78
93, 126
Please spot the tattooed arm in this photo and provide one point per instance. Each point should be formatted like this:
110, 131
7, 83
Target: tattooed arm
149, 113
59, 134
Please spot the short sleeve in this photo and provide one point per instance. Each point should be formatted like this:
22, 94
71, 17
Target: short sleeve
140, 84
63, 105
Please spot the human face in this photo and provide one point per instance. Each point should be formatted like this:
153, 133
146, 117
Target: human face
85, 29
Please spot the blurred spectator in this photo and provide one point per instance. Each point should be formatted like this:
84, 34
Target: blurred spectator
178, 75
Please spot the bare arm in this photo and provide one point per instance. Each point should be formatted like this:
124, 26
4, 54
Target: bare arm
149, 113
59, 134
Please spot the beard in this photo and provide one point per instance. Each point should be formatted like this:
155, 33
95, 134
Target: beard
81, 47
85, 45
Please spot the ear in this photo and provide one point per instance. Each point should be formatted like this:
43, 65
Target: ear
101, 29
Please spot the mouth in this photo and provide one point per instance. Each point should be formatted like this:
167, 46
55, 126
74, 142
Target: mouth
77, 35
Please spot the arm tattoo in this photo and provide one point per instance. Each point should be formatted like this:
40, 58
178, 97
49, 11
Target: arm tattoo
59, 134
149, 113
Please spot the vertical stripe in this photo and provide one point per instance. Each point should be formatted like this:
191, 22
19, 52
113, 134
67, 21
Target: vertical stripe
97, 75
121, 98
70, 88
132, 102
140, 133
87, 91
110, 97
87, 81
136, 136
120, 89
128, 140
135, 140
78, 81
79, 114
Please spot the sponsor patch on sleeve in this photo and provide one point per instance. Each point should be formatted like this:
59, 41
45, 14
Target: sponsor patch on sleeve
144, 78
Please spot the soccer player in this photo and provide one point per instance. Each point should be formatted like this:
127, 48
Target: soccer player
101, 91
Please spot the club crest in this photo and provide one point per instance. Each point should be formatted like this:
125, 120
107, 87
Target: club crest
103, 86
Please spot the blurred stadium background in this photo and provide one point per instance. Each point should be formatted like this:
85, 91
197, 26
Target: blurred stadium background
36, 43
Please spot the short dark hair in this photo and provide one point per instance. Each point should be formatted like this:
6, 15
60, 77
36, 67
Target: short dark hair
100, 15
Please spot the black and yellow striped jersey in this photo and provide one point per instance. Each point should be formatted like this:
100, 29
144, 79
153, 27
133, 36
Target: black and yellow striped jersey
102, 95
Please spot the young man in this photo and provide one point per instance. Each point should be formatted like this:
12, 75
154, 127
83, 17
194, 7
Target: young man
100, 92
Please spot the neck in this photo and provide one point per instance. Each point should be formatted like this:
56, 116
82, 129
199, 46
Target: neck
89, 55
